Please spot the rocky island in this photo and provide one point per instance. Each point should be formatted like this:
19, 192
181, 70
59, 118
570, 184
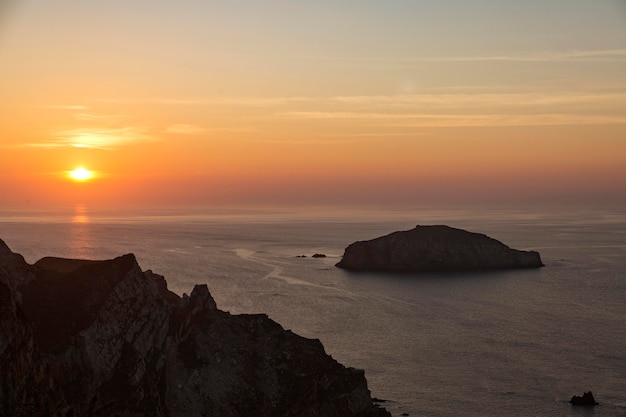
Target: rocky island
435, 248
104, 338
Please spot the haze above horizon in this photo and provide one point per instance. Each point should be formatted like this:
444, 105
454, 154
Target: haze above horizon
369, 103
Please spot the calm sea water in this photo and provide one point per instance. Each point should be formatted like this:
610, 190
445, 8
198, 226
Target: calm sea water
507, 343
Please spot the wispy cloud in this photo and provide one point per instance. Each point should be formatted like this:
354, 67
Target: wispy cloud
223, 101
393, 113
64, 107
432, 101
44, 145
98, 131
154, 100
460, 101
604, 55
480, 109
461, 120
345, 137
186, 129
93, 138
101, 138
95, 117
595, 55
598, 55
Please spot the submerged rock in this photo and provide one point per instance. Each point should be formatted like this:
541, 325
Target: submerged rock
434, 248
78, 336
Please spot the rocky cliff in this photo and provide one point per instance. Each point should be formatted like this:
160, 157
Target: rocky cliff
434, 248
105, 338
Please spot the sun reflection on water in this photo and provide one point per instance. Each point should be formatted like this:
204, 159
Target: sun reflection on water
81, 214
81, 241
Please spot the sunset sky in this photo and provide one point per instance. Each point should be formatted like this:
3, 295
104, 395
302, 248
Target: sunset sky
371, 103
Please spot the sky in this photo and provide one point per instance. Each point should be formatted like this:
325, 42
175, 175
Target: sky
397, 103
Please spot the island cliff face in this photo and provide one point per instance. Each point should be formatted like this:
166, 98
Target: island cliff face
434, 248
104, 338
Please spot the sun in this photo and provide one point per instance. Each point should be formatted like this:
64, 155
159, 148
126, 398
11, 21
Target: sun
81, 174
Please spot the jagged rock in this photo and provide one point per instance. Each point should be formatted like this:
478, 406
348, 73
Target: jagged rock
319, 255
14, 271
86, 335
586, 399
25, 385
434, 248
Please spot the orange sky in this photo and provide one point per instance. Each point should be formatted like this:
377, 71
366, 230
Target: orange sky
378, 105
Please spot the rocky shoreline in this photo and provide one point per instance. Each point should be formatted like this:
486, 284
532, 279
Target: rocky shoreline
106, 338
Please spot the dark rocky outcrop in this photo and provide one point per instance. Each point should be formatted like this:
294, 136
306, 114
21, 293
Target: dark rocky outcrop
585, 400
105, 338
434, 248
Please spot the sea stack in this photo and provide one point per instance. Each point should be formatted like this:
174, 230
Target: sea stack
435, 248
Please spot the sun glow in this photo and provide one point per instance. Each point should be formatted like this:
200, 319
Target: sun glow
80, 174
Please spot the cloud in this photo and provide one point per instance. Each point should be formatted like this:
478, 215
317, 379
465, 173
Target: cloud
185, 129
604, 55
64, 107
490, 109
107, 131
232, 101
106, 138
46, 145
157, 100
594, 55
462, 120
108, 118
432, 102
492, 100
94, 138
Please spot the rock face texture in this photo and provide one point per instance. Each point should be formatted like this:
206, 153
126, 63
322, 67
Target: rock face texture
434, 248
103, 338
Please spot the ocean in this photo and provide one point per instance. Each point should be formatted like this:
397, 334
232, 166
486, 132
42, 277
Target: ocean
499, 343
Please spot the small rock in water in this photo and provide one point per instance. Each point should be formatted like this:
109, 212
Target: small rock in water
586, 399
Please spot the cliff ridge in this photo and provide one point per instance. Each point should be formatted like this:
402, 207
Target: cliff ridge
106, 338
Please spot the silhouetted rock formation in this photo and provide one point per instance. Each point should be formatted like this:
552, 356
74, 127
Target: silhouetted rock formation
434, 248
103, 337
586, 399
